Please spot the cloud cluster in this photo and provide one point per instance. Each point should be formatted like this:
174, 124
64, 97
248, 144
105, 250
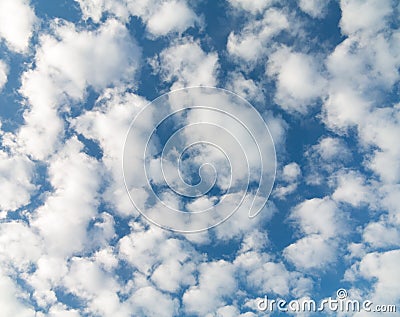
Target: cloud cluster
71, 243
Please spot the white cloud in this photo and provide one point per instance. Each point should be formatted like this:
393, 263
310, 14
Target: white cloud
291, 172
311, 252
185, 63
382, 270
352, 188
239, 223
299, 79
17, 20
19, 246
320, 220
381, 235
332, 149
66, 64
11, 299
290, 175
315, 8
172, 16
216, 281
98, 289
143, 303
364, 16
48, 274
16, 177
253, 6
318, 216
251, 43
344, 108
169, 262
245, 87
63, 218
60, 310
107, 124
3, 74
380, 129
160, 17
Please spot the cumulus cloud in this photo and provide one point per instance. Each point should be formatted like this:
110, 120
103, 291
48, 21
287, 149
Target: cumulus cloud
299, 79
245, 87
79, 236
16, 181
216, 280
165, 260
66, 64
362, 16
186, 64
3, 74
171, 16
290, 175
63, 218
20, 247
321, 223
352, 188
315, 8
381, 234
251, 43
291, 172
380, 269
254, 7
160, 17
17, 20
107, 124
311, 252
11, 299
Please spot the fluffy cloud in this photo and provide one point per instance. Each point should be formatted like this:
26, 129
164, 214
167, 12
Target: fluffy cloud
290, 174
66, 64
332, 149
254, 7
78, 239
245, 87
171, 16
315, 8
3, 74
143, 303
11, 299
20, 247
16, 177
107, 124
352, 188
17, 20
165, 260
381, 270
160, 17
216, 281
311, 252
381, 234
299, 79
187, 64
63, 218
321, 221
266, 276
251, 43
362, 16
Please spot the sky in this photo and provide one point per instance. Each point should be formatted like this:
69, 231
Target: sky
123, 123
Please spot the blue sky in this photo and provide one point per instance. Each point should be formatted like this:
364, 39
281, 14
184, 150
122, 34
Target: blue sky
324, 77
